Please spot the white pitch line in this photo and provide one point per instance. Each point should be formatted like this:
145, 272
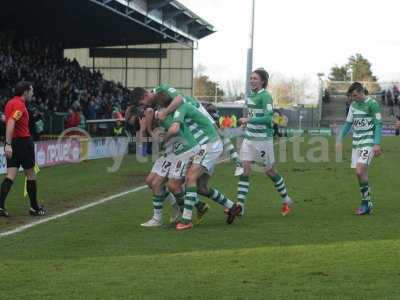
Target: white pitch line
70, 212
75, 210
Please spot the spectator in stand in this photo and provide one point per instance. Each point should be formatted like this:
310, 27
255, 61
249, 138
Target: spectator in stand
2, 126
73, 119
60, 83
326, 97
91, 109
221, 121
390, 103
234, 121
227, 122
348, 103
82, 119
383, 97
36, 124
397, 126
275, 121
396, 94
118, 129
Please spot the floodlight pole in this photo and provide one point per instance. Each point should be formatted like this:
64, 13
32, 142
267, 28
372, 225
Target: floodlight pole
250, 54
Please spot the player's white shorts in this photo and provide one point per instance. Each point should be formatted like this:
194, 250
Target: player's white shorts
209, 154
180, 163
361, 156
162, 166
258, 151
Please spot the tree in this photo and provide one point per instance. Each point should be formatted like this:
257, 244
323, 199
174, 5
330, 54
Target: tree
289, 91
358, 68
339, 73
234, 89
206, 89
361, 68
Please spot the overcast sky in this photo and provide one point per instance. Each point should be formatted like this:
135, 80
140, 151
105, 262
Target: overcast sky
299, 38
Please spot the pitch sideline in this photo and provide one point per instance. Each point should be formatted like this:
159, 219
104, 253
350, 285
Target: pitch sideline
70, 212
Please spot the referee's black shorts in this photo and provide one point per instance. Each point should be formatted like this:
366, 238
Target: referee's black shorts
23, 153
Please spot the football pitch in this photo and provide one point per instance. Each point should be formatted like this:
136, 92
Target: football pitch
321, 251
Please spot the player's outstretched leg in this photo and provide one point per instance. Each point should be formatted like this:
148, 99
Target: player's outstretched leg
280, 187
243, 190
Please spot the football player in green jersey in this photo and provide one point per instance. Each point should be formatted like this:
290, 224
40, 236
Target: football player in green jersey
365, 120
177, 100
258, 140
171, 166
161, 169
204, 161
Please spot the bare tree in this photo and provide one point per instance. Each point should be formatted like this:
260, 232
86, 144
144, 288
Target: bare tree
289, 91
234, 89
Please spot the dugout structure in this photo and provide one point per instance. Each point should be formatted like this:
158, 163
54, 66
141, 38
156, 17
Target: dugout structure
136, 42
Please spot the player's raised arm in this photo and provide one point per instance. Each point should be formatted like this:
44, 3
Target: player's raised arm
165, 90
173, 131
175, 103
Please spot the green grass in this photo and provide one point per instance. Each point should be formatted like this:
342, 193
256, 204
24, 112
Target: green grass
321, 251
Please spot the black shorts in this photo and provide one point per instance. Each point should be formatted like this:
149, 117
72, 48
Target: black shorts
23, 153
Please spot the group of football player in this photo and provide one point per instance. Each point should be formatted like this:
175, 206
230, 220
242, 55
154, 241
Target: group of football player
192, 145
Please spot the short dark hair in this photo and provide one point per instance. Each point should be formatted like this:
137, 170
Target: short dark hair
263, 75
355, 86
22, 87
138, 94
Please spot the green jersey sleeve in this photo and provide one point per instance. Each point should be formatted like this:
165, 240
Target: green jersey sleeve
192, 101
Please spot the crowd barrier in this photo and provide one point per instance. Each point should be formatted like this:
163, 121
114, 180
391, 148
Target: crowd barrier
73, 150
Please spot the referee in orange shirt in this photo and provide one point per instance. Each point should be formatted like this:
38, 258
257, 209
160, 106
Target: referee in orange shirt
19, 148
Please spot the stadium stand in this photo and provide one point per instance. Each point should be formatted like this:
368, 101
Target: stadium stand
334, 107
36, 52
59, 82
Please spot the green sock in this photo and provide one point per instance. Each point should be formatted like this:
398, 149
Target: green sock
220, 198
365, 191
280, 186
233, 155
243, 189
157, 207
190, 201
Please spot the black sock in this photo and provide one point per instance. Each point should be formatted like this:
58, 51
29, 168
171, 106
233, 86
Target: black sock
5, 188
31, 189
